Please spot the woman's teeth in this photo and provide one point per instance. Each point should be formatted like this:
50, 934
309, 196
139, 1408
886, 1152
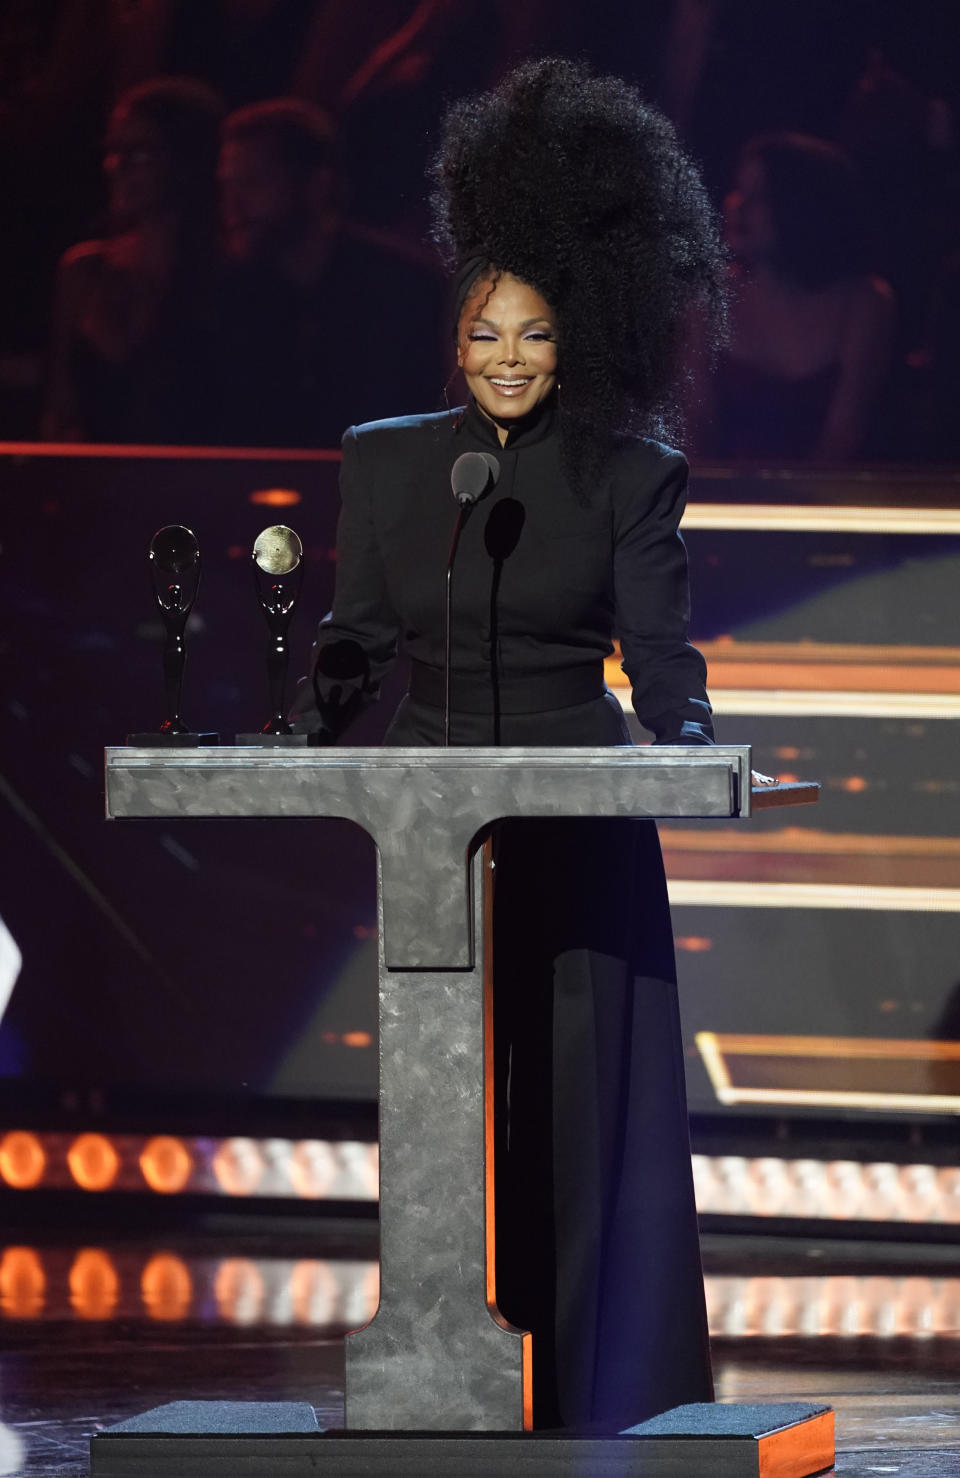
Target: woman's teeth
511, 387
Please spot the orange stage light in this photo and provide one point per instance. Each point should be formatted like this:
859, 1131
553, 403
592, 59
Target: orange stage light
238, 1166
166, 1287
166, 1164
240, 1291
23, 1283
93, 1162
94, 1283
22, 1160
277, 497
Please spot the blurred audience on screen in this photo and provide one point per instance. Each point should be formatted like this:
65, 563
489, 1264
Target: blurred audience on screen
133, 326
811, 330
835, 353
321, 324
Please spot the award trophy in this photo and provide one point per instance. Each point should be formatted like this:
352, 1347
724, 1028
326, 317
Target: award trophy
278, 555
175, 569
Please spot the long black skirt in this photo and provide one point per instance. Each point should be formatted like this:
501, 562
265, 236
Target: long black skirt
597, 1246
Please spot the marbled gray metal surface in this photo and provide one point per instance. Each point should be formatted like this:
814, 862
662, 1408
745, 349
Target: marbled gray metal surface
436, 1356
423, 808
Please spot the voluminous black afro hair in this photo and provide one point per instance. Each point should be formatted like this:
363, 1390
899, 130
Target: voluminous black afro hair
573, 184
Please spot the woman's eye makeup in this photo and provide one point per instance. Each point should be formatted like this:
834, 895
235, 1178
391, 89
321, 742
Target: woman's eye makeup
541, 335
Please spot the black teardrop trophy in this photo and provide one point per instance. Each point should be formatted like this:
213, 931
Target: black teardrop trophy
175, 571
278, 555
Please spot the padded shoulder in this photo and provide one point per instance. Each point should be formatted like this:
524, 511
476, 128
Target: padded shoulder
372, 433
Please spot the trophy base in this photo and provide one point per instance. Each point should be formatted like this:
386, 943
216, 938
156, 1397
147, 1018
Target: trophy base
275, 741
171, 741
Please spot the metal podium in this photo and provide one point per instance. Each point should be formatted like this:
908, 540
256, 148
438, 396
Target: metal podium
437, 1359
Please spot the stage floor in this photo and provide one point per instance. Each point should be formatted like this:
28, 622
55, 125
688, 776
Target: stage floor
94, 1332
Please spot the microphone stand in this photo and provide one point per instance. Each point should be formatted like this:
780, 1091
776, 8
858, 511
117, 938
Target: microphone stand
464, 512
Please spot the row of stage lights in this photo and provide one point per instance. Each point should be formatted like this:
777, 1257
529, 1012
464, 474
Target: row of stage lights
93, 1284
308, 1169
831, 1190
347, 1170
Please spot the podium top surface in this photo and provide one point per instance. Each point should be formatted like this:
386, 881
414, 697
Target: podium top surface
381, 757
426, 809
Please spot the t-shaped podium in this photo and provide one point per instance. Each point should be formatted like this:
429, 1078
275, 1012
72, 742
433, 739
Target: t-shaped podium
437, 1358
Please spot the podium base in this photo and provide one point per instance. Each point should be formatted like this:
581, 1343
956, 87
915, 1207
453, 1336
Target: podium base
170, 741
226, 1439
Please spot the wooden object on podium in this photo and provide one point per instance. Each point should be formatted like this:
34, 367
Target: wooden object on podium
437, 1357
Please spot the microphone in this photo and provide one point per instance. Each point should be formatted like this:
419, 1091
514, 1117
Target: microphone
472, 474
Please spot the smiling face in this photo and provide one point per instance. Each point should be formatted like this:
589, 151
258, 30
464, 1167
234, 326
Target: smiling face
507, 348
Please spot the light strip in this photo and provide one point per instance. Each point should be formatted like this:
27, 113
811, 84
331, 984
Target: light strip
312, 1169
130, 451
763, 702
835, 518
872, 1049
841, 1305
134, 1284
705, 893
809, 841
827, 1190
761, 1186
892, 1103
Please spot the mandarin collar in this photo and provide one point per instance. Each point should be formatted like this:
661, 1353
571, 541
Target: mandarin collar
536, 427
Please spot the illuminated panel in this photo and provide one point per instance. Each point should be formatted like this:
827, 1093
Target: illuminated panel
703, 893
825, 679
809, 518
834, 1072
795, 854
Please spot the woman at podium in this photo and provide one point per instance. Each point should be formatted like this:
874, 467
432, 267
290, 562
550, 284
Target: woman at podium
581, 242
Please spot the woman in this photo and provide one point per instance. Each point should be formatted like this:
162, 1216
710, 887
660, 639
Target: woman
811, 331
134, 331
582, 237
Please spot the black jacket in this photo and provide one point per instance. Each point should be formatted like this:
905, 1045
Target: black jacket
543, 581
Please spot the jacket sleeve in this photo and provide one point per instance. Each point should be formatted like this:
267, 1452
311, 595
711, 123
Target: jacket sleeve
357, 641
667, 675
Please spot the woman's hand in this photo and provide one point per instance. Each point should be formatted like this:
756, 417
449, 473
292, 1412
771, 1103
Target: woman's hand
757, 779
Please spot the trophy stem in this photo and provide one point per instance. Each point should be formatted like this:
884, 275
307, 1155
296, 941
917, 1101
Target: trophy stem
277, 551
278, 657
174, 551
175, 615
